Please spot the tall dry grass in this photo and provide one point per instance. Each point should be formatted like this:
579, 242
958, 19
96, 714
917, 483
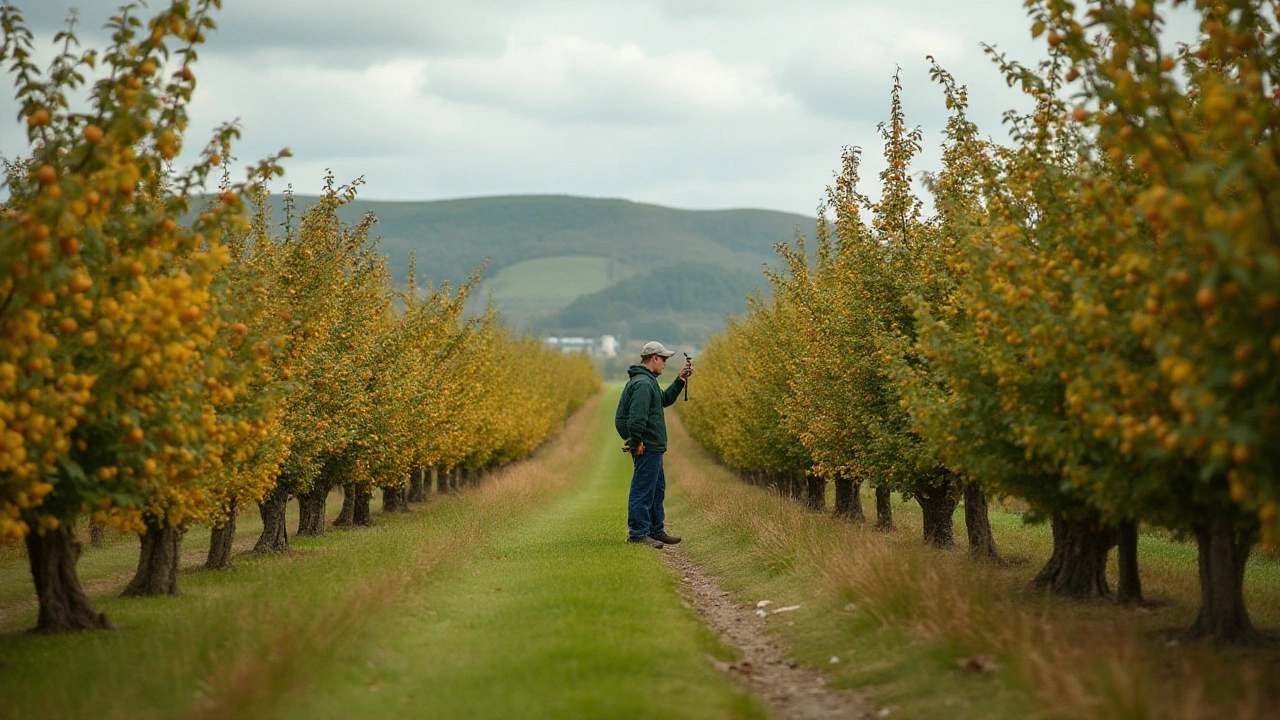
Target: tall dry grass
1067, 660
279, 642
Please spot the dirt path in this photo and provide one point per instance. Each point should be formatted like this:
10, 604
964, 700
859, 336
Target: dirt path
792, 691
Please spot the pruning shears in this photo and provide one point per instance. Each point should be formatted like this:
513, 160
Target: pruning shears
688, 361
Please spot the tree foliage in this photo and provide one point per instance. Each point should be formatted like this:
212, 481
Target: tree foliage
1089, 319
167, 355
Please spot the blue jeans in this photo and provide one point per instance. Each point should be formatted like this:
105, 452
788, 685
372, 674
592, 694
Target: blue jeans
645, 515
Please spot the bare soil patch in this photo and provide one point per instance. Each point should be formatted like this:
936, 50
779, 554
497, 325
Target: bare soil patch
792, 691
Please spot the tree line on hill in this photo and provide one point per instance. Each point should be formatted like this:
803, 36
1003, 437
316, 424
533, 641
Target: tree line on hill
1090, 321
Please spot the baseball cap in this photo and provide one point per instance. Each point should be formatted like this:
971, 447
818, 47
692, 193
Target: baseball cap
655, 348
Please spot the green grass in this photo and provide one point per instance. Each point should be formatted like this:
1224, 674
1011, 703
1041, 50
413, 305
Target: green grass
561, 603
104, 570
516, 599
916, 611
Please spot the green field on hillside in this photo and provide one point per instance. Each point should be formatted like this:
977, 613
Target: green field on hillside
546, 285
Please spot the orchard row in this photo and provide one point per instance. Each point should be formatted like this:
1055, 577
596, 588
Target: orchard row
1089, 321
169, 356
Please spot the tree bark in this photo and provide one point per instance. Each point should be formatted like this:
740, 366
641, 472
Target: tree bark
1078, 566
275, 536
938, 502
221, 538
977, 523
433, 481
157, 572
64, 607
97, 534
884, 508
815, 493
418, 485
1224, 549
312, 508
849, 500
347, 514
791, 486
360, 514
1129, 584
393, 499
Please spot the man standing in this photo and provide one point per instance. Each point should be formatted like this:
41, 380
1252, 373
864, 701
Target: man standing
641, 423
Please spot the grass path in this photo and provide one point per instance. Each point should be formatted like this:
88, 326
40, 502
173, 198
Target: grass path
515, 599
556, 618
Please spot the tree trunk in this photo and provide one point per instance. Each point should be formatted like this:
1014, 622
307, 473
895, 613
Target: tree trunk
982, 544
1224, 550
360, 514
158, 564
1078, 566
1129, 585
783, 482
938, 505
275, 536
884, 508
815, 493
312, 508
433, 481
849, 500
418, 485
97, 534
347, 514
63, 605
393, 499
220, 540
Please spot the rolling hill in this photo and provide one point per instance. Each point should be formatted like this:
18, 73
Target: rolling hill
546, 253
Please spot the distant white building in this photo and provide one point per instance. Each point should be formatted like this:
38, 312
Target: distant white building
608, 346
603, 346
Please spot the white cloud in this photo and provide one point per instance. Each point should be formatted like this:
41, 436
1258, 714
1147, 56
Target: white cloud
581, 80
703, 103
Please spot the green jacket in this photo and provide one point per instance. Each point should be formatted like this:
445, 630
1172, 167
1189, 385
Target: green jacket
639, 417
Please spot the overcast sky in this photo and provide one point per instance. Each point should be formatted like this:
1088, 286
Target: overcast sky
686, 103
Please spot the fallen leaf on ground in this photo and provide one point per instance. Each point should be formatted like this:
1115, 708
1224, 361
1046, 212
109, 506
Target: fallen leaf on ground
976, 664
